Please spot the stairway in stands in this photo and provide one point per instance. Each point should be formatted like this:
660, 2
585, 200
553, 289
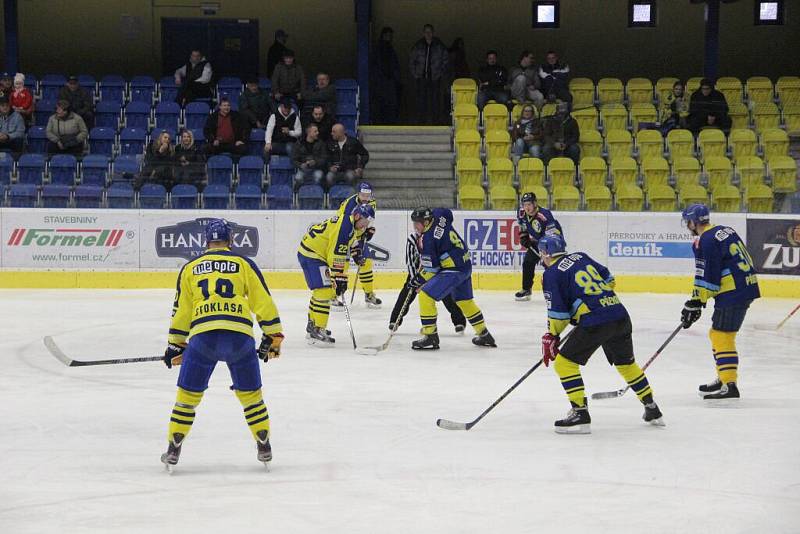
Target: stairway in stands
410, 166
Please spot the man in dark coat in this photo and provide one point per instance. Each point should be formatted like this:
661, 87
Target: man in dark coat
194, 79
80, 101
346, 158
386, 84
708, 108
275, 53
226, 131
428, 64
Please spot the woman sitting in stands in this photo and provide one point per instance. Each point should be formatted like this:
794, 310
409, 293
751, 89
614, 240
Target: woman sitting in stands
158, 162
21, 99
189, 161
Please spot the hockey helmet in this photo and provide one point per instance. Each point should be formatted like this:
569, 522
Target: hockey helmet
365, 187
696, 213
421, 215
365, 211
528, 197
551, 245
217, 230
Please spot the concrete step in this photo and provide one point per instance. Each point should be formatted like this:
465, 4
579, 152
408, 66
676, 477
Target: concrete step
403, 139
406, 156
411, 164
396, 174
409, 147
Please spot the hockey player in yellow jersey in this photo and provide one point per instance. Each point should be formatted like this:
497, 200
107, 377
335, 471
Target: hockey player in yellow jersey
324, 255
212, 320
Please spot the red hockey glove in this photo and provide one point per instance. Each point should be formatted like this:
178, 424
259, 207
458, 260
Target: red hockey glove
549, 348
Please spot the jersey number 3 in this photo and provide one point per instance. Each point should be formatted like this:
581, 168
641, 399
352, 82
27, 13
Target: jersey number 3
591, 282
224, 288
737, 249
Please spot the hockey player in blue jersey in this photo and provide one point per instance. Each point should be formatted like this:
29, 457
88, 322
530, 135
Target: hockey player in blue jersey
725, 272
534, 222
579, 290
446, 270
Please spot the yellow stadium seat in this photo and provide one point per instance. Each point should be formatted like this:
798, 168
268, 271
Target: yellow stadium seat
498, 144
542, 197
639, 91
463, 91
686, 171
730, 87
586, 119
788, 89
591, 143
610, 91
593, 172
649, 143
655, 171
516, 112
783, 170
597, 198
711, 142
661, 198
765, 116
618, 143
759, 89
774, 142
692, 85
468, 144
614, 117
642, 113
742, 142
791, 117
465, 117
582, 90
630, 198
751, 171
739, 114
495, 117
664, 88
472, 197
758, 198
623, 171
469, 171
561, 172
680, 144
548, 110
503, 197
718, 170
500, 171
566, 198
725, 198
530, 173
692, 194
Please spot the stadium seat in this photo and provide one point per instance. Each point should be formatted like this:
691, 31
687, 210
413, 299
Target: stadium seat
120, 196
623, 171
711, 142
220, 170
55, 196
167, 115
251, 170
22, 196
791, 118
597, 198
742, 143
63, 169
766, 116
30, 169
593, 172
143, 89
200, 139
503, 197
137, 115
50, 85
788, 90
500, 171
465, 117
692, 85
468, 144
642, 113
719, 171
125, 169
542, 197
774, 143
310, 197
6, 168
94, 170
582, 91
530, 174
88, 82
88, 196
630, 198
680, 143
495, 117
655, 171
469, 171
281, 171
516, 112
758, 199
731, 87
471, 197
649, 144
32, 83
639, 91
686, 171
614, 117
783, 170
664, 88
255, 146
692, 194
229, 85
183, 197
112, 87
132, 140
561, 172
739, 114
586, 118
661, 197
167, 90
725, 198
102, 140
347, 91
548, 110
464, 91
264, 83
618, 143
152, 196
591, 143
36, 139
498, 144
216, 197
566, 198
338, 194
759, 89
610, 91
196, 114
44, 108
347, 115
107, 114
751, 171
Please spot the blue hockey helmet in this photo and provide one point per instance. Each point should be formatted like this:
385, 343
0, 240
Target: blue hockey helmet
217, 230
365, 211
551, 245
696, 213
365, 188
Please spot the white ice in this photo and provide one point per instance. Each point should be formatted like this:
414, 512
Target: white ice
354, 437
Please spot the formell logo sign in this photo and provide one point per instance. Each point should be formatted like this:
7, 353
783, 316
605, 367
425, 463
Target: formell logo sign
187, 240
66, 237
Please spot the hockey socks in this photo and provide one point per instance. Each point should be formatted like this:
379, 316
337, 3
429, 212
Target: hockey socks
570, 374
182, 417
319, 308
427, 313
723, 345
255, 411
473, 314
366, 277
635, 378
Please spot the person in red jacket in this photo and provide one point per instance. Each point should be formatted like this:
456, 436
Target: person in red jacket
21, 99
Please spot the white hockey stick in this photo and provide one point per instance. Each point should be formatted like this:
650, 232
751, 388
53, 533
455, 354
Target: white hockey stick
372, 351
69, 362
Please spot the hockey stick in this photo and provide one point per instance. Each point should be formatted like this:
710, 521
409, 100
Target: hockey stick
355, 284
349, 324
372, 351
69, 362
453, 425
621, 392
787, 317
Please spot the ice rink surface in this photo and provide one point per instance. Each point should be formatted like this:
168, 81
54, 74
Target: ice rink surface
354, 437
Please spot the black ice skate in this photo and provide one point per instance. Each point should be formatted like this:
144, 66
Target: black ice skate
170, 458
372, 300
264, 449
652, 414
484, 339
319, 337
310, 327
460, 328
428, 342
711, 387
523, 295
726, 391
577, 420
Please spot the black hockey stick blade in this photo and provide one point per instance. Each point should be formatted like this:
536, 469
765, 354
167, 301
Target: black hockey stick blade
56, 351
452, 425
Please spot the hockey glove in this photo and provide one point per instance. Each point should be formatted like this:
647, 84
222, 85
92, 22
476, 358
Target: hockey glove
340, 283
369, 233
417, 282
549, 348
173, 355
357, 254
692, 309
270, 346
525, 239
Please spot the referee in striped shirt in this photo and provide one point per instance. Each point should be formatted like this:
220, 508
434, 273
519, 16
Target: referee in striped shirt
413, 266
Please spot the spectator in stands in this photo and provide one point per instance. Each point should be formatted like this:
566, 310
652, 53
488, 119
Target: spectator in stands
21, 99
708, 108
276, 51
386, 81
12, 127
158, 162
226, 130
526, 134
66, 131
428, 63
675, 109
194, 79
323, 121
321, 94
346, 157
525, 81
492, 81
561, 135
255, 104
288, 78
457, 60
80, 101
309, 158
6, 84
555, 78
283, 130
189, 161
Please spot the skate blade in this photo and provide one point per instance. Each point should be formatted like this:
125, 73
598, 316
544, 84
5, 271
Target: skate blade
461, 332
722, 403
425, 348
657, 422
522, 299
317, 343
373, 306
577, 429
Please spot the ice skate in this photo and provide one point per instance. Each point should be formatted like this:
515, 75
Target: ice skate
711, 387
652, 414
523, 295
427, 342
484, 339
170, 458
726, 391
460, 329
577, 421
337, 303
372, 300
319, 337
264, 449
310, 327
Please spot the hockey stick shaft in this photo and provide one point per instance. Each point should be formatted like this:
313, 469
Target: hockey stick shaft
355, 285
787, 317
56, 351
349, 323
403, 309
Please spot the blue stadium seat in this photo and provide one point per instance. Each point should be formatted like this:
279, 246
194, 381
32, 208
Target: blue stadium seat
142, 89
229, 85
346, 92
255, 147
94, 170
50, 85
112, 87
30, 169
265, 83
233, 98
183, 197
347, 114
32, 83
107, 114
22, 196
137, 115
279, 197
88, 196
310, 197
196, 114
152, 196
248, 197
125, 168
120, 196
102, 140
37, 140
6, 167
55, 196
281, 170
63, 169
167, 90
339, 193
88, 82
251, 170
220, 170
168, 114
199, 138
216, 197
44, 108
132, 140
